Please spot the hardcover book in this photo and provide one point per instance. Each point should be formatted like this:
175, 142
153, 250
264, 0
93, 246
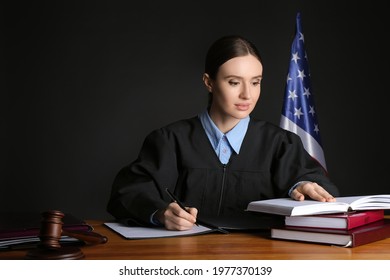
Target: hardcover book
341, 221
20, 230
347, 238
290, 207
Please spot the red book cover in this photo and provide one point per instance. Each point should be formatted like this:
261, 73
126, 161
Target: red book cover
347, 220
347, 238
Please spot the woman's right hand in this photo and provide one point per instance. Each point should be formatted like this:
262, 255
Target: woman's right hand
176, 218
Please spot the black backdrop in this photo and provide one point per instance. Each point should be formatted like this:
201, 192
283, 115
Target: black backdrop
85, 82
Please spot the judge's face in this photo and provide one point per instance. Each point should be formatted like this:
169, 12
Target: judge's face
236, 89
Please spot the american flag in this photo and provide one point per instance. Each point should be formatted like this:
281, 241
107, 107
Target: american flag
298, 113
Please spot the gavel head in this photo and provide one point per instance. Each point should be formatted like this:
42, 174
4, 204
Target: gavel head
51, 229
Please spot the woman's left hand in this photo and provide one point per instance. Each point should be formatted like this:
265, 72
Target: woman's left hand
311, 190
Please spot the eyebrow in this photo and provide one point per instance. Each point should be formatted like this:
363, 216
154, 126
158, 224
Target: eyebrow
235, 76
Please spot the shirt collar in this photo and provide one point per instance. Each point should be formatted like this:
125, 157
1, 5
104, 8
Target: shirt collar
235, 136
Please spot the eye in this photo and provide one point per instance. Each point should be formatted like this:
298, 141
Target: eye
256, 83
233, 83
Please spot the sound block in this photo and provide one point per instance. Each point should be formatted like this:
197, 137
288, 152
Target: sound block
62, 253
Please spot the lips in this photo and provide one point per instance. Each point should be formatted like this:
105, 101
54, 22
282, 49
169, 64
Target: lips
243, 106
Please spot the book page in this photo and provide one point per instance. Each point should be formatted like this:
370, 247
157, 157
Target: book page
367, 201
290, 207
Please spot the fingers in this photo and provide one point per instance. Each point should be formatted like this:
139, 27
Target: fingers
193, 211
313, 191
296, 195
176, 218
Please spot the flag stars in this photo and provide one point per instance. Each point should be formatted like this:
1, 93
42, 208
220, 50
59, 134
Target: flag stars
306, 92
298, 112
295, 57
292, 94
305, 55
301, 37
312, 111
316, 129
288, 78
301, 74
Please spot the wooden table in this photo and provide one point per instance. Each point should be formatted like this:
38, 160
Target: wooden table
217, 246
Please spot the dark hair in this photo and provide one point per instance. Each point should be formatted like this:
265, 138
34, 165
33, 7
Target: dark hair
226, 48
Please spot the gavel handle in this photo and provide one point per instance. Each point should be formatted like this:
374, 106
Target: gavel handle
86, 236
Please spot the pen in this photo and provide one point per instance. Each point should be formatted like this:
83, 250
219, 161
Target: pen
174, 199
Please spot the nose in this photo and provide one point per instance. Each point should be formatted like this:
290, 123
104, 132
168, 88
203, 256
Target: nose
245, 92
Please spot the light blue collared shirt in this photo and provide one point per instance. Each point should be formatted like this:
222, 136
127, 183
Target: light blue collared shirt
224, 144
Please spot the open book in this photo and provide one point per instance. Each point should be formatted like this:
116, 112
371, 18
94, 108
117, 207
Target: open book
290, 207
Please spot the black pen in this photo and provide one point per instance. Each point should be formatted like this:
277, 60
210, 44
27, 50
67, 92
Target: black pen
174, 199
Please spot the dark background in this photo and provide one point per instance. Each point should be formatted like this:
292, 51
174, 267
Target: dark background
85, 82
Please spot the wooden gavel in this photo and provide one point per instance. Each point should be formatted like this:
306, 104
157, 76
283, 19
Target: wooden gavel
50, 234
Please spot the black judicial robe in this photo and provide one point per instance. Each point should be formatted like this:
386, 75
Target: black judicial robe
180, 157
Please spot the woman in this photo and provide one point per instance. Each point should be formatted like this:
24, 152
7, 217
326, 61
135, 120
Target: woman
220, 160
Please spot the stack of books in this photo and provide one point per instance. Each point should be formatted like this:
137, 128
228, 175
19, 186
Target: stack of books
349, 222
20, 230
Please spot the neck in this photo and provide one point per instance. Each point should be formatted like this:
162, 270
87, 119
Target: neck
224, 123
